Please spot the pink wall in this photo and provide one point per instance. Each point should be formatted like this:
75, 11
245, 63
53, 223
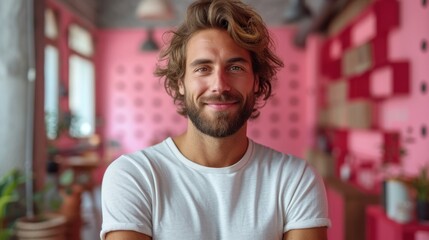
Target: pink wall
410, 115
282, 122
390, 78
406, 113
137, 111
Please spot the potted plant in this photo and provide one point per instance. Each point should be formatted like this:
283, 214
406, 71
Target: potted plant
54, 207
421, 186
8, 194
71, 203
57, 211
45, 222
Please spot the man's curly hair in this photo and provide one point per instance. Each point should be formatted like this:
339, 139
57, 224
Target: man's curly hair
246, 28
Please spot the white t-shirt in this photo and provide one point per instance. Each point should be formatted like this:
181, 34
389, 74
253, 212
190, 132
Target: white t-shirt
162, 194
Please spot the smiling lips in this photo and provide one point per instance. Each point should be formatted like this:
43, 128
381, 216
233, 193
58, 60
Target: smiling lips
221, 105
223, 101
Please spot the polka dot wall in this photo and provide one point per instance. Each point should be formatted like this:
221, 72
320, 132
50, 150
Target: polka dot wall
140, 112
281, 124
411, 42
137, 112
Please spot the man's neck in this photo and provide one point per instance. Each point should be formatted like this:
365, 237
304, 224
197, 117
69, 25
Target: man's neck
210, 151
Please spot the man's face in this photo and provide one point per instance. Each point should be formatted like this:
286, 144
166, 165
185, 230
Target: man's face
219, 83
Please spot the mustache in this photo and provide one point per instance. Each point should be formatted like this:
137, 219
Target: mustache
223, 97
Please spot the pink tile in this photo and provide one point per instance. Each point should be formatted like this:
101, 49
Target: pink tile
335, 49
364, 30
381, 82
366, 144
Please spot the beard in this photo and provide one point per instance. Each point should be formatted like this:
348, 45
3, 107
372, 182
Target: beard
224, 123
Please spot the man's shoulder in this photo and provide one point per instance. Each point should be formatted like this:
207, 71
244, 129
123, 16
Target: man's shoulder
271, 155
145, 156
291, 167
155, 149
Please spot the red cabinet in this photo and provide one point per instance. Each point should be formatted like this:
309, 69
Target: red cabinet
347, 206
378, 226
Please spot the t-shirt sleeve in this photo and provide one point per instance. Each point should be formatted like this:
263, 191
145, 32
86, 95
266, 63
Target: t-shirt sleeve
126, 198
305, 202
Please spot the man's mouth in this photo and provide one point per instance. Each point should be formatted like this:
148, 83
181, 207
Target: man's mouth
221, 102
221, 105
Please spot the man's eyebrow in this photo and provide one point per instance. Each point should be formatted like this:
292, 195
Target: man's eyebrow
199, 62
206, 61
237, 59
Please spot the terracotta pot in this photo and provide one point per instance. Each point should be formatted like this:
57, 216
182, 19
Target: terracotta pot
51, 227
71, 209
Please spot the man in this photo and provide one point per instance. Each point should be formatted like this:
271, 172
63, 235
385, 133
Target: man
212, 182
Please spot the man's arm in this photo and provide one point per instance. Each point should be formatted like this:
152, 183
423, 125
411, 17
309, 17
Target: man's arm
126, 235
318, 233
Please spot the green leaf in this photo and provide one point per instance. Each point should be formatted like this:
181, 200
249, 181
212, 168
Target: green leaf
4, 200
10, 182
67, 177
5, 234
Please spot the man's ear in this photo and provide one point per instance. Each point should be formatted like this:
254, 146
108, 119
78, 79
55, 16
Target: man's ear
256, 84
181, 87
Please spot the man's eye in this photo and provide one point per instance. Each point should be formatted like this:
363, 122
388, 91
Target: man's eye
201, 69
236, 68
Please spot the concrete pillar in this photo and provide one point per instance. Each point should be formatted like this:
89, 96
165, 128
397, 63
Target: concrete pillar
13, 83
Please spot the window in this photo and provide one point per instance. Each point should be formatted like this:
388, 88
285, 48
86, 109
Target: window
80, 40
51, 70
51, 91
51, 25
81, 96
81, 82
69, 74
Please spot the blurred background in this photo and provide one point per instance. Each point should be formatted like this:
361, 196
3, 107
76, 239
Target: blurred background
77, 90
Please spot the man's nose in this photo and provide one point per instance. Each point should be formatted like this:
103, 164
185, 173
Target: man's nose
220, 82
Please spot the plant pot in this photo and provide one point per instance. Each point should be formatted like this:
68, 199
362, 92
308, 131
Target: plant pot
51, 227
422, 208
71, 209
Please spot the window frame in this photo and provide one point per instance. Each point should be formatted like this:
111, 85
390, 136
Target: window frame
66, 17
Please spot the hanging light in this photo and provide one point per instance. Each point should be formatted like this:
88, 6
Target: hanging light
149, 44
154, 9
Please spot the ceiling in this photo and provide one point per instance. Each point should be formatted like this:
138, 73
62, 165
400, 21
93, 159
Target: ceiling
312, 16
121, 14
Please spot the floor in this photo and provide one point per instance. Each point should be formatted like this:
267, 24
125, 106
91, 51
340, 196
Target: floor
91, 222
